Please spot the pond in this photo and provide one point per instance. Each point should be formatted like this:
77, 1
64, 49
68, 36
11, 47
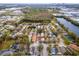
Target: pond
69, 25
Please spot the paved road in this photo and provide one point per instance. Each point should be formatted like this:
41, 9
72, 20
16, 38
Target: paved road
45, 53
61, 42
35, 50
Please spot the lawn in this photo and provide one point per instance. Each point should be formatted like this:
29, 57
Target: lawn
7, 44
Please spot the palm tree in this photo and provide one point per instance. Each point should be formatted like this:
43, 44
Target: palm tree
26, 40
49, 49
40, 48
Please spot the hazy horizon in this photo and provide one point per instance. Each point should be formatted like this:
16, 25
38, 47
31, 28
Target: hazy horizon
39, 1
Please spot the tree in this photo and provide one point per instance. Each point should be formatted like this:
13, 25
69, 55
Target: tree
77, 41
26, 41
49, 50
40, 48
66, 41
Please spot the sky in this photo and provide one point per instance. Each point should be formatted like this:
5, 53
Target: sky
39, 1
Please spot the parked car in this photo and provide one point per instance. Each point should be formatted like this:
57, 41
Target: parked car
54, 51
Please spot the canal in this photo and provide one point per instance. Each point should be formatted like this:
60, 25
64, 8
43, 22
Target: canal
69, 25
